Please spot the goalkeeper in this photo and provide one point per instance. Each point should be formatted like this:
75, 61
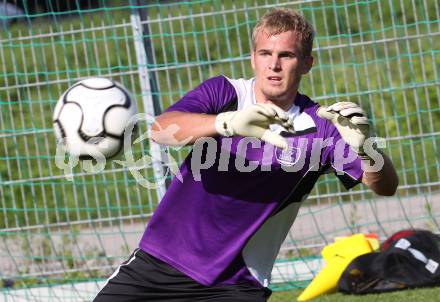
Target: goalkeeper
216, 234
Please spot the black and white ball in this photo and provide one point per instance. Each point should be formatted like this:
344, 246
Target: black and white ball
91, 116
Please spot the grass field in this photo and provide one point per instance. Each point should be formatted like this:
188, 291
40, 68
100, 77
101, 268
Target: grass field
425, 295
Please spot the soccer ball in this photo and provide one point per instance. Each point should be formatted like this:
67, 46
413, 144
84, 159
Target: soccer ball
91, 116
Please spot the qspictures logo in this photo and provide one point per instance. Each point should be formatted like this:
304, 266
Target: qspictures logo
206, 153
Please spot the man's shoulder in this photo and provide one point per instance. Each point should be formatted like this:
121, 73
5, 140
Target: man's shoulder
238, 90
241, 86
210, 97
216, 88
223, 83
240, 81
306, 103
217, 82
221, 79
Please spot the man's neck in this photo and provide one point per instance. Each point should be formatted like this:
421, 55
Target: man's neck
284, 104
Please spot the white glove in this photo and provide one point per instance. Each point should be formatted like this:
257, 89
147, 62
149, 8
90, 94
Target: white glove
255, 121
351, 122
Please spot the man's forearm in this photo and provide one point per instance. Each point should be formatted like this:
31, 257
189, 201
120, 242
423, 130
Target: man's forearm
181, 128
385, 181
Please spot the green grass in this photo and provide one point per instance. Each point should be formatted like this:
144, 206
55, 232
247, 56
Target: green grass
412, 295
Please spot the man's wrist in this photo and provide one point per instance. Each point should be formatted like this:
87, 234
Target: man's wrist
373, 149
223, 123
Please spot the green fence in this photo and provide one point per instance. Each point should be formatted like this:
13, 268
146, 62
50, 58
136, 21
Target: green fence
61, 236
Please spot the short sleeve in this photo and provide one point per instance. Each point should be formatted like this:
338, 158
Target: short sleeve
210, 97
340, 159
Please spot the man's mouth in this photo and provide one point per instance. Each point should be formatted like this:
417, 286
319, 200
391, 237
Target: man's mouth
274, 79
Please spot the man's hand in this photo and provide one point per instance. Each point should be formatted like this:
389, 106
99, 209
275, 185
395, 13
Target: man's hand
351, 122
254, 121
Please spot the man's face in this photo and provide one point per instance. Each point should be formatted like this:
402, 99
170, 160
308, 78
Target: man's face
278, 65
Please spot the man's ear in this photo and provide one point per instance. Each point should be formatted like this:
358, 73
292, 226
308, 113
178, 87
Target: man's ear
253, 59
307, 64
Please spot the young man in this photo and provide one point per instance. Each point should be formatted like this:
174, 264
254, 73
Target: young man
216, 234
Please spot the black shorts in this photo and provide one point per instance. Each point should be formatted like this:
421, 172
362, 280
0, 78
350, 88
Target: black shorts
145, 278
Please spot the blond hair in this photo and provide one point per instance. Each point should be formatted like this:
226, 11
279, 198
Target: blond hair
281, 20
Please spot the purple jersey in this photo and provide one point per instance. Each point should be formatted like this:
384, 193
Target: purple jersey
225, 223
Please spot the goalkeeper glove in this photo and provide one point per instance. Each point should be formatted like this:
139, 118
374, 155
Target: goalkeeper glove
255, 121
351, 122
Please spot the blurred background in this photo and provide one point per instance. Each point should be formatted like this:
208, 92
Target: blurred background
63, 236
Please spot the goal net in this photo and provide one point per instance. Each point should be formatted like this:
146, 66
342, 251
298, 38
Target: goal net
64, 229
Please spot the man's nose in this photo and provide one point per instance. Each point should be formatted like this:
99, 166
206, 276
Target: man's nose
275, 63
